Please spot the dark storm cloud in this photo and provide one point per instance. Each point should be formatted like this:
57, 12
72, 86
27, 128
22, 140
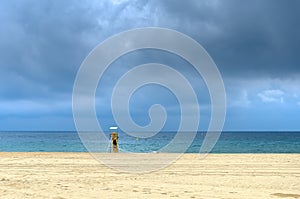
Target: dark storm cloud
243, 36
42, 45
44, 42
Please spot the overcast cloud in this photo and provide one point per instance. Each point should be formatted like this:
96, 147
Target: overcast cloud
255, 45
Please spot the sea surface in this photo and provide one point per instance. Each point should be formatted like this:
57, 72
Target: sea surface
229, 142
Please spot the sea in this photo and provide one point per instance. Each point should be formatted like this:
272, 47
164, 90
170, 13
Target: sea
229, 142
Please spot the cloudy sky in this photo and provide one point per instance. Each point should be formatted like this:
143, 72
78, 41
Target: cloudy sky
255, 45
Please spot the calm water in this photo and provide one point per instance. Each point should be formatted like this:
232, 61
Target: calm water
229, 142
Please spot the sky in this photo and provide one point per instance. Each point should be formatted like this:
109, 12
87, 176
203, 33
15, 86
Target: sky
255, 45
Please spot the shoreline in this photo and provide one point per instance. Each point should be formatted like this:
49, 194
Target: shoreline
136, 153
79, 175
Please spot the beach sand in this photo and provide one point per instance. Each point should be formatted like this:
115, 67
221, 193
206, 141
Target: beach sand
79, 175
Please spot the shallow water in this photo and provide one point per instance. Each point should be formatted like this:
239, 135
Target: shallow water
229, 142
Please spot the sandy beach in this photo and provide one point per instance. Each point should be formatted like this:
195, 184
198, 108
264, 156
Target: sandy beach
79, 175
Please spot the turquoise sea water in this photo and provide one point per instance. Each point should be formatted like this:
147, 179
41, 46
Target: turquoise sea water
229, 142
